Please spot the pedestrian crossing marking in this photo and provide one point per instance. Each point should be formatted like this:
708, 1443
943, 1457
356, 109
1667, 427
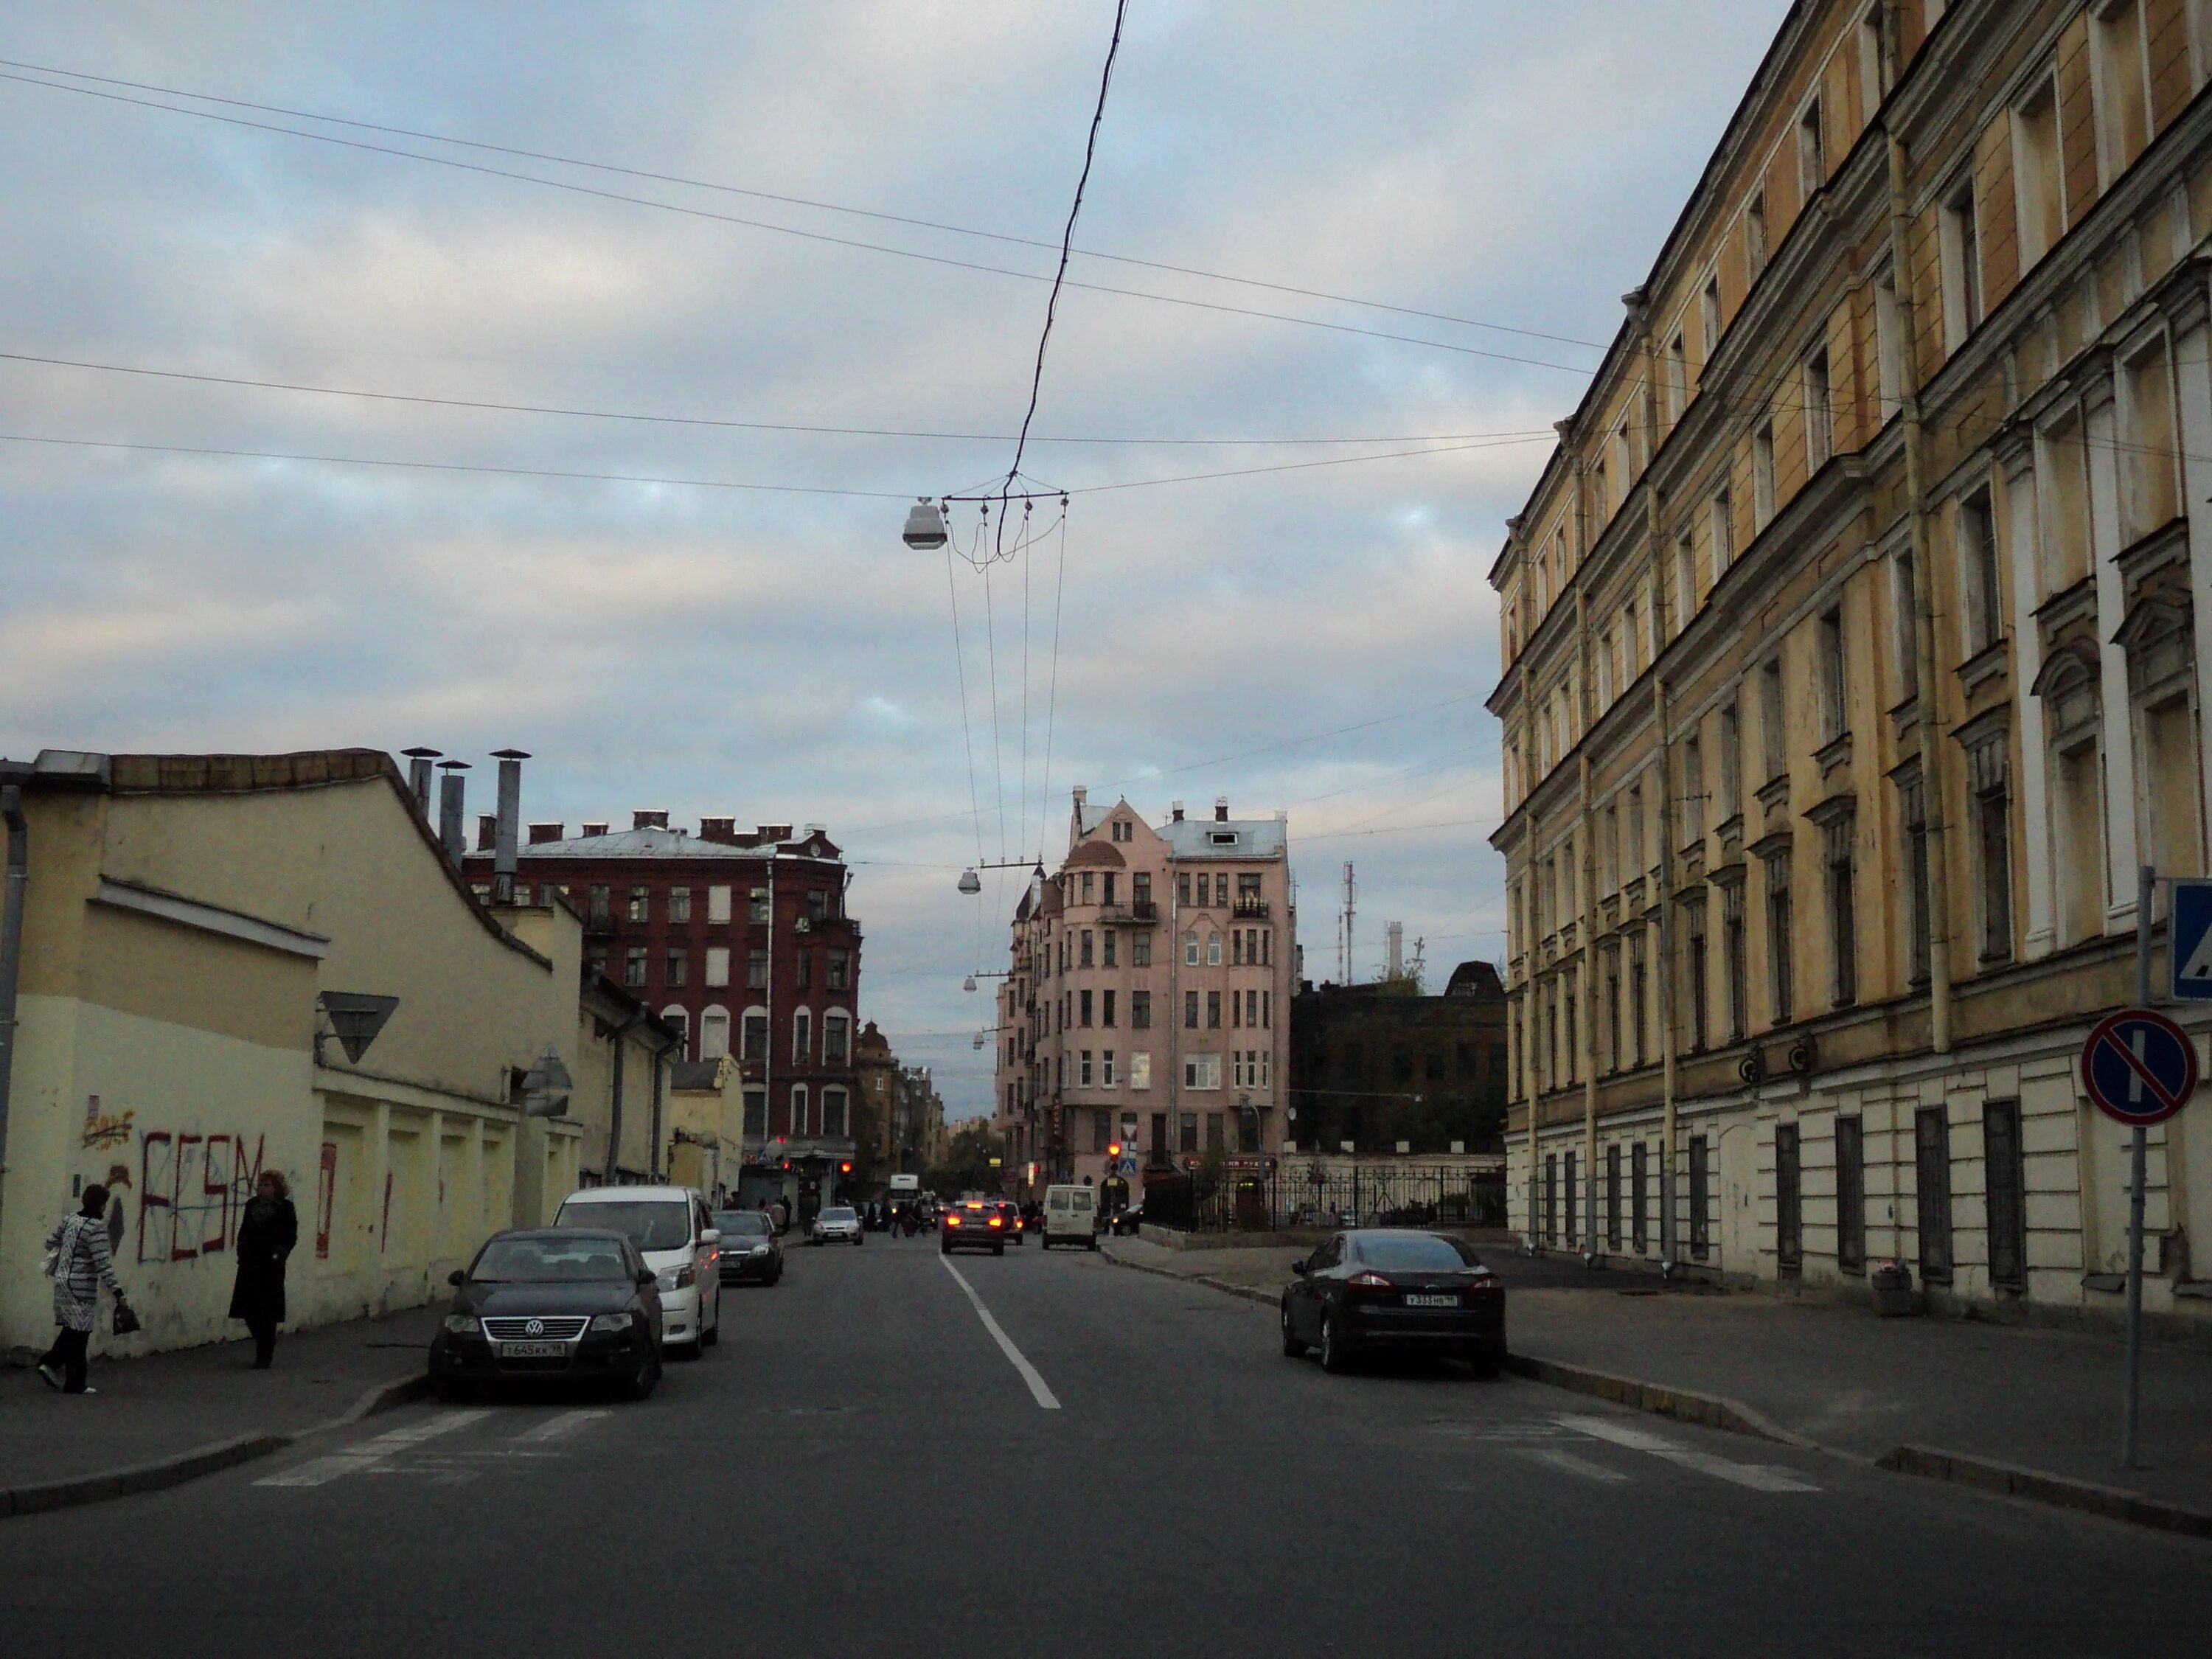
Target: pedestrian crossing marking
318, 1471
1759, 1477
1567, 1462
559, 1428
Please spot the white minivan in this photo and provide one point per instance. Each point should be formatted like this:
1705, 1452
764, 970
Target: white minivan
674, 1231
1070, 1217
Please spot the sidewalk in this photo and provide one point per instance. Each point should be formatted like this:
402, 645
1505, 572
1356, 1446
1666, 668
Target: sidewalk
2038, 1399
171, 1404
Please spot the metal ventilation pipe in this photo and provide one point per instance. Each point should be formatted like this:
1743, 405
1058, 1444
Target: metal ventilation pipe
418, 777
453, 800
510, 823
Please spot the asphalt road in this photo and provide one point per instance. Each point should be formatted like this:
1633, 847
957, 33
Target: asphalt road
863, 1466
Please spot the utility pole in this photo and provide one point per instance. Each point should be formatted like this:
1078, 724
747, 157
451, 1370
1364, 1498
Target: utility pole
1344, 960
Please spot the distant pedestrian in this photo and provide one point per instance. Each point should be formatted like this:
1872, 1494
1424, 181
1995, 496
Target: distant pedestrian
82, 1264
265, 1238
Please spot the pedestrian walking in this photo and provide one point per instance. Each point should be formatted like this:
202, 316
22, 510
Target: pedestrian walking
81, 1263
266, 1237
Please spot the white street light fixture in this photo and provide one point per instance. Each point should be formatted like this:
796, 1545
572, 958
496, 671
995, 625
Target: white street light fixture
970, 882
970, 984
925, 526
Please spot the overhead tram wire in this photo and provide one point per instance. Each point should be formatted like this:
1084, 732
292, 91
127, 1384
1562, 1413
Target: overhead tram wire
792, 201
944, 260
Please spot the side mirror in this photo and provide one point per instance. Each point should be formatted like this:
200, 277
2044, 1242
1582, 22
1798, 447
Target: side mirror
1297, 1269
646, 1276
711, 1235
457, 1278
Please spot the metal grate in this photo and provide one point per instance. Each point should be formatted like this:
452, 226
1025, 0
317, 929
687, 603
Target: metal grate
564, 1328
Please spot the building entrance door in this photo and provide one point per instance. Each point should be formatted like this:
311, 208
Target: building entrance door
1739, 1202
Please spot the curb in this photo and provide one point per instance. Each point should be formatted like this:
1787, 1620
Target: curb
44, 1497
1711, 1410
1221, 1284
2114, 1503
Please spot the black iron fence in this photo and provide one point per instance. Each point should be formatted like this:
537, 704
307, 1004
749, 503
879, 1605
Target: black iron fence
1337, 1194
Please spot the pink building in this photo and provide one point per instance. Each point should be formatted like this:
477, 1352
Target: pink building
1146, 1002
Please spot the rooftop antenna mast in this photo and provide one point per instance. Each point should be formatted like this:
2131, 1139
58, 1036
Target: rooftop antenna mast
1343, 942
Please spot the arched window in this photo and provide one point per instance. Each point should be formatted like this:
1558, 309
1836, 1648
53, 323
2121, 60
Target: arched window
681, 1019
714, 1032
754, 1037
836, 1039
802, 1037
834, 1117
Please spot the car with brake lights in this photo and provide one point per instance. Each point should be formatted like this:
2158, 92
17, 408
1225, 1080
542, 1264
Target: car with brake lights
975, 1224
1372, 1289
551, 1305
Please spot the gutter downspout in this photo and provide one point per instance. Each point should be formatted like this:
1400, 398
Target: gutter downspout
1932, 794
1669, 1075
11, 948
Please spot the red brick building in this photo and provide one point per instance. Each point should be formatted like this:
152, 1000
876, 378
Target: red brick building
743, 942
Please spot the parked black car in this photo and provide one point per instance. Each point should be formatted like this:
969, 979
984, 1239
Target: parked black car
551, 1304
1376, 1288
751, 1253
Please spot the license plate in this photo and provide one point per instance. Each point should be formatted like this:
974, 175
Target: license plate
1417, 1299
533, 1351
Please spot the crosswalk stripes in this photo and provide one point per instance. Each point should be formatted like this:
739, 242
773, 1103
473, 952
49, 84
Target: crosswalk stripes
1581, 1468
409, 1451
561, 1427
316, 1471
1759, 1477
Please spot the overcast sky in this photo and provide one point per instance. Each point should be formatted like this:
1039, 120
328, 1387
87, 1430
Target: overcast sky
782, 656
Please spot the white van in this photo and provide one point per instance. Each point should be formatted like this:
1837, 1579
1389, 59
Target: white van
674, 1231
1070, 1217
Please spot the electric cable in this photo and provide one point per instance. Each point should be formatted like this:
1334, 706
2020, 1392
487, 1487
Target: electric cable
959, 657
1052, 699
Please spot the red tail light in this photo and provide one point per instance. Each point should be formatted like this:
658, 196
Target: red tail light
1485, 1287
1370, 1281
952, 1221
998, 1221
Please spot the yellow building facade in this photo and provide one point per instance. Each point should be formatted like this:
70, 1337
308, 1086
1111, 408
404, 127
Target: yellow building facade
1850, 671
186, 920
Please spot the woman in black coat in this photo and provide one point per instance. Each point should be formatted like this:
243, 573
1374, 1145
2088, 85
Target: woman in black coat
266, 1237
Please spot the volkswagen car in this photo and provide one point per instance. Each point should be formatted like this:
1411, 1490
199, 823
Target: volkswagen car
551, 1304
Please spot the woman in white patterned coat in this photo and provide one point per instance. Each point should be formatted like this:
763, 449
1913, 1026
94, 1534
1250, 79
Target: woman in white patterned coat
83, 1264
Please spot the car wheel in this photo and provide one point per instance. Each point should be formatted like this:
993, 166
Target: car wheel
1094, 1242
1292, 1348
452, 1390
1335, 1356
646, 1380
998, 1249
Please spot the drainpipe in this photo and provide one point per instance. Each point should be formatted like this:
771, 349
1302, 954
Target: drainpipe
1932, 792
11, 947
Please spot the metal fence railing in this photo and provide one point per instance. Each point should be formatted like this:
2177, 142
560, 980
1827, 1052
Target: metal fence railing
1339, 1194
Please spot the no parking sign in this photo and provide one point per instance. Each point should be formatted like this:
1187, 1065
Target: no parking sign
2139, 1067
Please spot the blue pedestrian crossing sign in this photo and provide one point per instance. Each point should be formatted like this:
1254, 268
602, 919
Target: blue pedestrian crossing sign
2139, 1067
2191, 935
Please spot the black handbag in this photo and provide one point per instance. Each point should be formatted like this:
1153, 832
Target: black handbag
123, 1320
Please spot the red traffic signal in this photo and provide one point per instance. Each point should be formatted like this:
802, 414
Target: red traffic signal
1113, 1149
845, 1168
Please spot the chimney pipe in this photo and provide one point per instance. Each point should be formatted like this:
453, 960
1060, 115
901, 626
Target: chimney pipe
418, 777
487, 831
1177, 808
542, 833
1221, 809
1393, 949
591, 830
453, 800
508, 825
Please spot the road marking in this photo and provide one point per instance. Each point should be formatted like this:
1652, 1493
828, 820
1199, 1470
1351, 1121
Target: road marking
1568, 1463
1043, 1394
1759, 1477
561, 1427
318, 1470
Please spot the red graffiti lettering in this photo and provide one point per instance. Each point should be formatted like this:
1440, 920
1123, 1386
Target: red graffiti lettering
149, 1199
326, 1192
220, 1191
177, 1252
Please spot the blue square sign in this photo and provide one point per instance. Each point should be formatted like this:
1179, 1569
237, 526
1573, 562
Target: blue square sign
2191, 937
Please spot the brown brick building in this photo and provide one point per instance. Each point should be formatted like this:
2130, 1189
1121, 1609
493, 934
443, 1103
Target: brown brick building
741, 941
1376, 1065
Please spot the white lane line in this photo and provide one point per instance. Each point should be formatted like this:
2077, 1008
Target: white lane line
1567, 1463
318, 1470
559, 1428
1043, 1394
1759, 1477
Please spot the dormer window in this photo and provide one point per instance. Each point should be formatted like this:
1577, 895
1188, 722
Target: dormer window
1223, 837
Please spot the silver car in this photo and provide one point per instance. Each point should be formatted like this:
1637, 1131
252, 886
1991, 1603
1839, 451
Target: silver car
838, 1225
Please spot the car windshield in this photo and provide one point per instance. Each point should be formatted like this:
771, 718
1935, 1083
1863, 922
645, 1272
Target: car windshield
576, 1258
1413, 1253
652, 1224
838, 1214
742, 1221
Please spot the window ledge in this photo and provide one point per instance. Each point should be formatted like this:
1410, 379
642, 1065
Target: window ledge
1986, 664
1836, 752
1774, 791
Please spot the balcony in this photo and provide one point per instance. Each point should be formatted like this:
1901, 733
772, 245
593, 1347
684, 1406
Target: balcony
1135, 913
1248, 908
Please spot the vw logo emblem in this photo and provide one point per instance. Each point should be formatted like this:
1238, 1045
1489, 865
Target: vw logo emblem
535, 1328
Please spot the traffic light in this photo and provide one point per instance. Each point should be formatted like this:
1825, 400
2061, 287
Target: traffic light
1113, 1149
845, 1168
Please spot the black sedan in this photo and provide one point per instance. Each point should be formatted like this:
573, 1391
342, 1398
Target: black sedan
551, 1304
1125, 1223
750, 1250
974, 1224
1380, 1288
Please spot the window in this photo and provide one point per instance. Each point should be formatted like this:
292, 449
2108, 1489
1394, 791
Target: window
1568, 1170
639, 908
1106, 1008
1639, 1176
1731, 789
1213, 1126
802, 1037
1812, 156
1850, 1197
1190, 1011
1213, 950
1754, 238
1697, 973
1932, 1161
1083, 1069
2039, 191
1613, 1196
1835, 703
679, 1020
755, 968
1720, 517
598, 911
1961, 256
1820, 414
834, 1115
1140, 1073
1140, 1010
1083, 1009
1089, 885
799, 1108
1913, 812
1773, 740
1904, 626
1888, 345
718, 905
836, 1040
754, 1033
1842, 915
2007, 1194
1993, 874
1678, 379
718, 965
803, 968
1140, 888
1141, 949
839, 969
1636, 865
756, 1115
1686, 580
2148, 496
633, 966
677, 970
1694, 794
1190, 950
1182, 887
679, 904
1762, 475
1778, 938
1701, 1181
1708, 317
1082, 953
714, 1034
1601, 497
1874, 69
1106, 1068
1978, 572
1108, 952
1732, 958
1202, 1071
2120, 70
1213, 1011
756, 905
1612, 1008
1101, 1131
1551, 1198
1788, 1203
